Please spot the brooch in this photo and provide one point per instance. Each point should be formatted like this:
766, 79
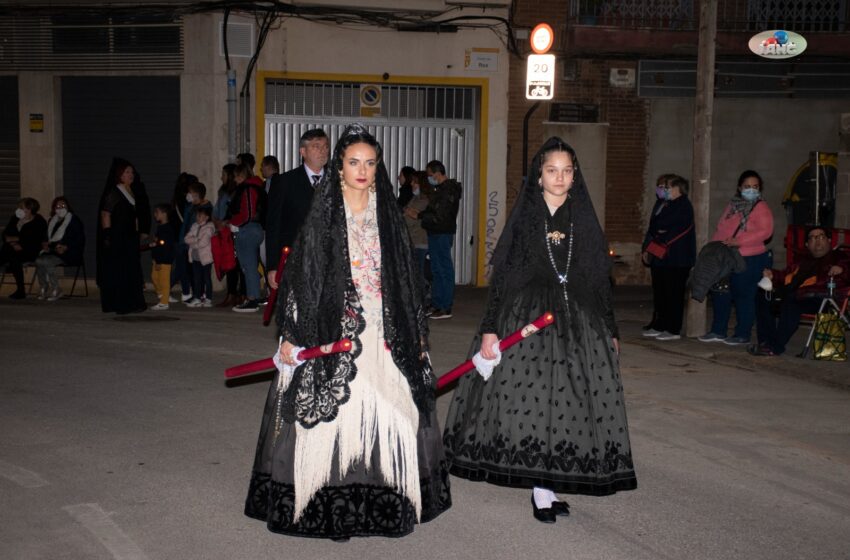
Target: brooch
555, 237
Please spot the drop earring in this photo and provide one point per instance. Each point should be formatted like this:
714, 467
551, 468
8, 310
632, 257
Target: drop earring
342, 183
372, 188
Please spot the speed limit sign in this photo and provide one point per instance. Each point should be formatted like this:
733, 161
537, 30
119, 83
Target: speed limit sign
540, 77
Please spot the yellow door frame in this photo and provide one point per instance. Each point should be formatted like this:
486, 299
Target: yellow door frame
483, 126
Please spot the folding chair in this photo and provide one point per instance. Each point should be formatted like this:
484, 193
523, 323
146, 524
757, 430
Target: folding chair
27, 285
827, 304
81, 265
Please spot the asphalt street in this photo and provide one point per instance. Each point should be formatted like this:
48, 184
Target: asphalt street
120, 440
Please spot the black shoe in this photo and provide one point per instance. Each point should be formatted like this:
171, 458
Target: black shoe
430, 311
247, 306
561, 508
18, 294
543, 515
441, 314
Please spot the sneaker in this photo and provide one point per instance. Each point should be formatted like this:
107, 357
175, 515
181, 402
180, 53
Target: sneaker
159, 307
263, 301
247, 306
42, 293
736, 340
441, 314
186, 297
206, 303
172, 299
193, 303
55, 295
667, 336
760, 350
711, 337
430, 311
652, 332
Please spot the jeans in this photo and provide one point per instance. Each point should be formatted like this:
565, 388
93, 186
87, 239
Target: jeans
248, 252
182, 271
442, 269
202, 281
742, 292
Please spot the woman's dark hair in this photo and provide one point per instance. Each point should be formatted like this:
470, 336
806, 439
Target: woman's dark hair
681, 182
199, 188
746, 175
120, 169
407, 172
248, 159
355, 136
664, 179
244, 170
421, 179
229, 184
181, 187
56, 201
30, 204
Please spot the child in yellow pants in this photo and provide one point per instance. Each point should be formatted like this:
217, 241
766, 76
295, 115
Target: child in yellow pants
162, 251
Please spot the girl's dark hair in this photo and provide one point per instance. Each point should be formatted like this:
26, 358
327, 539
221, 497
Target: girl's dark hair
199, 188
30, 204
205, 210
407, 172
229, 184
746, 175
164, 208
56, 201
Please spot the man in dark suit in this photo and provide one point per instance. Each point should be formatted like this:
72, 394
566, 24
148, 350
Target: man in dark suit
290, 196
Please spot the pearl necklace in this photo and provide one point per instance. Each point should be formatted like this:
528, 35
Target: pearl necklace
551, 239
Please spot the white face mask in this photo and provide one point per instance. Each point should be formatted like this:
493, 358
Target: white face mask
416, 191
189, 198
61, 212
19, 213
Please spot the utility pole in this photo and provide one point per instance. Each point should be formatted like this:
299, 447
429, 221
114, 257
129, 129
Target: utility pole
701, 170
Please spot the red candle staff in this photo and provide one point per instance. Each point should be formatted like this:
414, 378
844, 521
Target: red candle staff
540, 323
278, 274
343, 345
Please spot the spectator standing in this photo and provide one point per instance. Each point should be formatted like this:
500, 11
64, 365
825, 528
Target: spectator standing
746, 224
405, 185
22, 241
199, 240
247, 210
418, 202
290, 196
66, 240
180, 271
221, 214
439, 219
162, 254
671, 225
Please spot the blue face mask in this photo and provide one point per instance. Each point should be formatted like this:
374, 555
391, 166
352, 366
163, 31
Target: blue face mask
659, 192
750, 195
433, 181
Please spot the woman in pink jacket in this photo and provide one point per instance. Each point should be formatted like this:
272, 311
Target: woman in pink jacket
747, 224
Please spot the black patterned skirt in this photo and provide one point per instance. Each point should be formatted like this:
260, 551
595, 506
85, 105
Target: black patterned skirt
552, 414
357, 503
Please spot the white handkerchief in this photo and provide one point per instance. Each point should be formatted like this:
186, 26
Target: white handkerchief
485, 367
286, 371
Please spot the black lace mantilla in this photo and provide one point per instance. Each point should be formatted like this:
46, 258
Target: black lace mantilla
564, 468
354, 510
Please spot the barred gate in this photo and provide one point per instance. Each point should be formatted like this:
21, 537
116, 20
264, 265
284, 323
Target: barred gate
417, 124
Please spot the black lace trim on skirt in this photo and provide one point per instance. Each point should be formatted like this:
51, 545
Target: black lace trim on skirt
353, 510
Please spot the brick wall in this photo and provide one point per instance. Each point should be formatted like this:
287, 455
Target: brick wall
627, 115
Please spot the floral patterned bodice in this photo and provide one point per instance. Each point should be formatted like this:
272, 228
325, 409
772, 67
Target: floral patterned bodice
364, 250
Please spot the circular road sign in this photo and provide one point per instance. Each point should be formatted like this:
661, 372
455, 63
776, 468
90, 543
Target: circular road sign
542, 38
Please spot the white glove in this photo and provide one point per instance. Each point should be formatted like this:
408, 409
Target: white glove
484, 366
286, 371
234, 229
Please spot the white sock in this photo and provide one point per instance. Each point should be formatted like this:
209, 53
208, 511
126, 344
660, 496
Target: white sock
543, 497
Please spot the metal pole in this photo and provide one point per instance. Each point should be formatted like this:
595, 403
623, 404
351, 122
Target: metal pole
814, 169
231, 116
525, 139
701, 171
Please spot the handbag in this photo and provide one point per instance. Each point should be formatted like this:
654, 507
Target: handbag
829, 343
659, 250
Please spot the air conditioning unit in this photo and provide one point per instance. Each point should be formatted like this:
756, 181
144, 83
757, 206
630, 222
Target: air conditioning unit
240, 39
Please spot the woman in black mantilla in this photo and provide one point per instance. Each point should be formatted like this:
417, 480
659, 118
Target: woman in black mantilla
552, 417
351, 445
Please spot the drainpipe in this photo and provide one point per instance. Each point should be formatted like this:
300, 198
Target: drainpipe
231, 115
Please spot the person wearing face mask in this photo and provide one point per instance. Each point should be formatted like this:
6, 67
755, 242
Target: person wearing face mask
64, 246
418, 202
660, 187
745, 224
22, 240
405, 185
195, 198
671, 226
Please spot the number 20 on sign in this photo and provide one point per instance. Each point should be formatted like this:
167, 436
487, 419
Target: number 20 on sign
540, 77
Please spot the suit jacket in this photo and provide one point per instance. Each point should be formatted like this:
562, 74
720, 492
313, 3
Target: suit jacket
290, 196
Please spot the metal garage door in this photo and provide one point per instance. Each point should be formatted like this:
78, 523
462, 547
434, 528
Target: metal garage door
136, 118
10, 155
417, 124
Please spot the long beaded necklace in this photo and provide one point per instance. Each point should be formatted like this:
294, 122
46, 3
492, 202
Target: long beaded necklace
554, 238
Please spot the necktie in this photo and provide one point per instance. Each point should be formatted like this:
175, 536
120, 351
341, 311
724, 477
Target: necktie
315, 179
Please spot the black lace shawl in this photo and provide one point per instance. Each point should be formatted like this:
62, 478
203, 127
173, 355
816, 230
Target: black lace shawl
318, 303
521, 247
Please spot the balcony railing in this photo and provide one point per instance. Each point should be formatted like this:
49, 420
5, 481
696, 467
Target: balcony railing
826, 16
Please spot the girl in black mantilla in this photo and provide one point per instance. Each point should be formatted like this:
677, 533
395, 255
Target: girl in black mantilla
552, 417
349, 444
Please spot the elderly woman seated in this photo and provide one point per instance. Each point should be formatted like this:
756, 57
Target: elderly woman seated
63, 247
22, 240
